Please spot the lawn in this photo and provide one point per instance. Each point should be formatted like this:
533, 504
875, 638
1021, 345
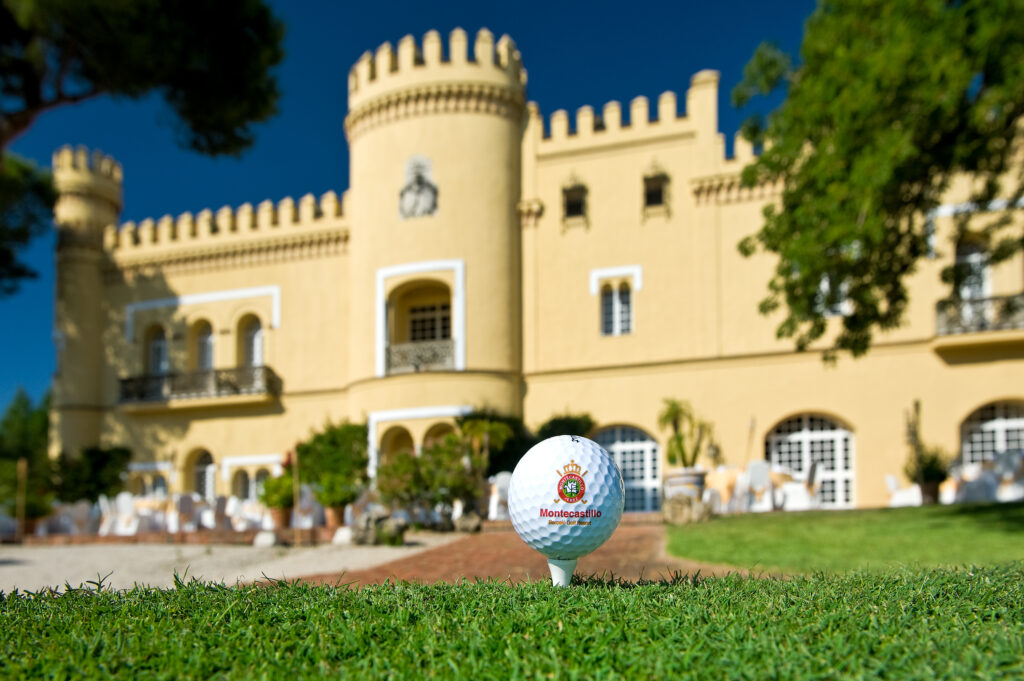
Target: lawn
905, 624
857, 540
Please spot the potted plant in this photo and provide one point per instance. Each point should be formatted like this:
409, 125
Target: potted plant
929, 468
334, 492
689, 437
278, 496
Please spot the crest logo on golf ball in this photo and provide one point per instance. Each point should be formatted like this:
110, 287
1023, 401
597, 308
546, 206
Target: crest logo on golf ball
571, 486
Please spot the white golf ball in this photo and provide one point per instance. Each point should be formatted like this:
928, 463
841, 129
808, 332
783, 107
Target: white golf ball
566, 497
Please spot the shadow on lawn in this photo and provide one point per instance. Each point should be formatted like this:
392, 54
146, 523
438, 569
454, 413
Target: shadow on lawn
1009, 517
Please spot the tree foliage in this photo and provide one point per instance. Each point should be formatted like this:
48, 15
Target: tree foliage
568, 424
334, 461
211, 62
23, 435
505, 457
95, 471
890, 101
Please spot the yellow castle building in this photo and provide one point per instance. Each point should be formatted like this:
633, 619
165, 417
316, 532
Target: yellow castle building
486, 258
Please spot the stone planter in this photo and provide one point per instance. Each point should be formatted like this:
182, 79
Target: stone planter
929, 493
686, 481
282, 518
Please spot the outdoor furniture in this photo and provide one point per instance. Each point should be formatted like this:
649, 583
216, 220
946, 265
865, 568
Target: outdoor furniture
184, 514
760, 490
723, 481
126, 522
497, 507
107, 517
739, 502
900, 497
713, 500
982, 489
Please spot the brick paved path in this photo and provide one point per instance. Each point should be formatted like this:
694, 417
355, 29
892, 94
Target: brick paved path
633, 551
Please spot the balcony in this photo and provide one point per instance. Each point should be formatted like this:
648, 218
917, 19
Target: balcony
967, 324
434, 355
240, 384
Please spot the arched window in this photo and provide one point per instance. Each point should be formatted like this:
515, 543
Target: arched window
203, 476
157, 361
159, 486
995, 428
203, 346
616, 310
240, 486
636, 454
798, 441
252, 343
257, 489
419, 327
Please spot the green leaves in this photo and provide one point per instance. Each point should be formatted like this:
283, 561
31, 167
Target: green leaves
26, 207
890, 102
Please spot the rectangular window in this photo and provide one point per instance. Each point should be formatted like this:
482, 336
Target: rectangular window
575, 199
616, 311
654, 190
430, 322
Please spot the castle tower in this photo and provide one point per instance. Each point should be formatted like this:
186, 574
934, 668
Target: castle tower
436, 273
89, 199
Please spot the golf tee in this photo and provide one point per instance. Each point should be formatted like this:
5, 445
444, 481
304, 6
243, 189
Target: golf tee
561, 570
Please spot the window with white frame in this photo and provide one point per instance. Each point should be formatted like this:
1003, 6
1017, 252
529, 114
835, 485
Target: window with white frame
636, 454
430, 322
204, 347
995, 428
798, 442
616, 310
158, 362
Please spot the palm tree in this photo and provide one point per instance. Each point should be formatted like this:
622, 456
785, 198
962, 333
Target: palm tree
689, 433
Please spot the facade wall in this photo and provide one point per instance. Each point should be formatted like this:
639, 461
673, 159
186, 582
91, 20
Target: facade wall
333, 282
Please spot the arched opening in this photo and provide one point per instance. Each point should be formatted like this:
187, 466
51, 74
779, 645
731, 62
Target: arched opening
260, 478
159, 486
993, 429
201, 346
616, 310
250, 341
137, 485
636, 454
395, 441
799, 441
203, 474
240, 486
156, 359
420, 328
436, 434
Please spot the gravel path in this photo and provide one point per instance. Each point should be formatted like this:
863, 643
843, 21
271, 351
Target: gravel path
31, 568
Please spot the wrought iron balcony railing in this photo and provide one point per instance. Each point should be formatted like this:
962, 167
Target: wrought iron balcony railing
432, 355
195, 384
979, 314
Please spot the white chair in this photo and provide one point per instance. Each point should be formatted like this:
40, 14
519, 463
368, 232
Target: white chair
497, 507
107, 516
740, 500
126, 522
901, 497
185, 513
80, 514
713, 500
759, 487
304, 513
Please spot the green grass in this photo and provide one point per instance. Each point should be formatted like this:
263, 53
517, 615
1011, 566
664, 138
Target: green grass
902, 625
857, 540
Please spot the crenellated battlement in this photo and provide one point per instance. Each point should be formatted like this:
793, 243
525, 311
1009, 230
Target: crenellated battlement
89, 176
492, 70
225, 225
644, 121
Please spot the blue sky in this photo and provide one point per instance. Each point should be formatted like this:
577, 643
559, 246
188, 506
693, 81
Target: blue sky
575, 53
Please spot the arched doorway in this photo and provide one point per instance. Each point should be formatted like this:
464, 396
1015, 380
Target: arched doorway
395, 441
636, 454
240, 486
800, 440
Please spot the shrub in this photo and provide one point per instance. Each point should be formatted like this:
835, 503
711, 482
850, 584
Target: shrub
569, 424
95, 471
278, 492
